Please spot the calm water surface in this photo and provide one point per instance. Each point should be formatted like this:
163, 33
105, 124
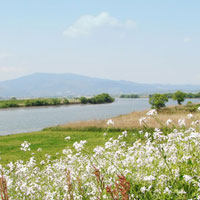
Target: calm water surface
32, 119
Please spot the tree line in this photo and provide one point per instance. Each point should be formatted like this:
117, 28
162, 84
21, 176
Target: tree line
158, 101
14, 103
98, 99
129, 96
187, 95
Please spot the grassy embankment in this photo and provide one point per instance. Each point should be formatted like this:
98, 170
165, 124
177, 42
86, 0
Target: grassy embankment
131, 121
52, 140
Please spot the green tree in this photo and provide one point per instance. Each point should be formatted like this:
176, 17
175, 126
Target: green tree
158, 100
55, 101
65, 101
83, 100
179, 96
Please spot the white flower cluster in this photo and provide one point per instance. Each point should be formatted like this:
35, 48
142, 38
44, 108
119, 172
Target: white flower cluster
25, 146
67, 138
79, 145
110, 121
152, 112
155, 167
143, 121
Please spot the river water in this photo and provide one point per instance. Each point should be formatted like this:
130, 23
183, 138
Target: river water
18, 120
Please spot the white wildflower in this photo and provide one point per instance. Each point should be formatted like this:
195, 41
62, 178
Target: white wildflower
141, 132
67, 138
189, 116
110, 121
149, 178
152, 112
42, 162
39, 149
143, 189
181, 122
187, 178
182, 191
194, 123
79, 146
167, 190
25, 146
124, 133
142, 120
168, 122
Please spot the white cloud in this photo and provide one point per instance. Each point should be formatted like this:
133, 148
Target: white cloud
86, 24
187, 39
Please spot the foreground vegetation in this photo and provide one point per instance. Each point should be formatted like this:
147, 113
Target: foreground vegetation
159, 164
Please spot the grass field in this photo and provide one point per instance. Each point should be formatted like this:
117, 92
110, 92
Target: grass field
51, 142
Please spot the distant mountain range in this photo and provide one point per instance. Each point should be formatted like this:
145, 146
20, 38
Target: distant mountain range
46, 85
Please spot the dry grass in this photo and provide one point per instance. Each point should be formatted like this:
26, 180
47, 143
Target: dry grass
131, 120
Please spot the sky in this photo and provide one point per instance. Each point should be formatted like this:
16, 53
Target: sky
145, 41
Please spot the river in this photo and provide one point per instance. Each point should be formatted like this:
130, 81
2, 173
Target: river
18, 120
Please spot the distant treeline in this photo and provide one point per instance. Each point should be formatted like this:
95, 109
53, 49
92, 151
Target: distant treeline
98, 99
169, 95
187, 95
13, 103
129, 96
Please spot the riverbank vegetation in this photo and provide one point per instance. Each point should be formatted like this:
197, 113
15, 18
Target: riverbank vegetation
133, 96
169, 95
98, 99
141, 164
14, 103
187, 95
131, 120
158, 101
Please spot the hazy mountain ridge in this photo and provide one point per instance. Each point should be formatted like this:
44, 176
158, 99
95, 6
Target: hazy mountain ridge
44, 84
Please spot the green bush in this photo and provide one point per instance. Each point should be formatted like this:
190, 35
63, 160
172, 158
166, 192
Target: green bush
101, 98
129, 96
9, 105
36, 102
158, 100
189, 103
55, 101
65, 101
179, 97
83, 100
98, 99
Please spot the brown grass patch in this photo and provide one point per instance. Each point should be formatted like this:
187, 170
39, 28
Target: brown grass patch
131, 120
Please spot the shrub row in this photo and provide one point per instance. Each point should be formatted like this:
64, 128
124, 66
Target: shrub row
98, 99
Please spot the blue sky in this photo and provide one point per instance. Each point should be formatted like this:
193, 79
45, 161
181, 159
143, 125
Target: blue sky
152, 41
